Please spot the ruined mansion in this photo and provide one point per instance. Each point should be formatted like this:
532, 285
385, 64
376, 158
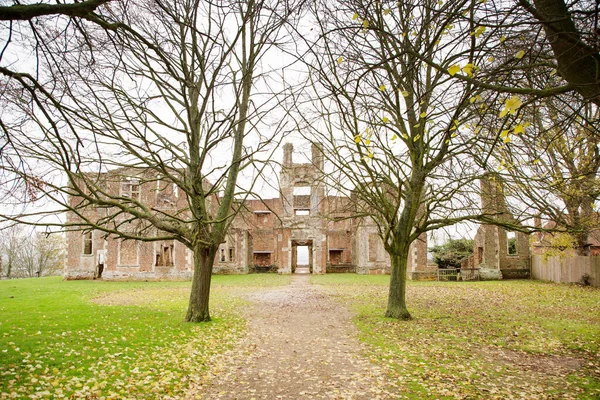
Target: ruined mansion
268, 235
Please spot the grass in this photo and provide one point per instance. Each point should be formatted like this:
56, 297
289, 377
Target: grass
503, 339
90, 339
113, 339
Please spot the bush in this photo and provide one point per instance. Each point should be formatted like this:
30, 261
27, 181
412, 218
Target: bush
451, 253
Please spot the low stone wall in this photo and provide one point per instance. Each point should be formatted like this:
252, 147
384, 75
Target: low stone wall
257, 269
422, 275
340, 268
146, 276
570, 269
81, 274
516, 273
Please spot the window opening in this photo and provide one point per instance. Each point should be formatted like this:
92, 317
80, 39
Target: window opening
87, 243
302, 191
130, 188
511, 242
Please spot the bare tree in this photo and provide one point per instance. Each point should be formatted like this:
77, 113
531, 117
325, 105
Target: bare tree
397, 108
162, 93
549, 166
39, 255
10, 243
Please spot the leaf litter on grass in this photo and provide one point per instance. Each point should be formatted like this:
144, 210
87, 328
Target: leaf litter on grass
513, 339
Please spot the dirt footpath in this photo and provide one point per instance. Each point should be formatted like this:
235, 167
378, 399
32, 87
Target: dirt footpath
300, 344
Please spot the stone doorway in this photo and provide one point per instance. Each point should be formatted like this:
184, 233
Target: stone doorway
302, 257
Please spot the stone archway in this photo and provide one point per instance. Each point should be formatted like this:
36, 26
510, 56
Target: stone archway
302, 269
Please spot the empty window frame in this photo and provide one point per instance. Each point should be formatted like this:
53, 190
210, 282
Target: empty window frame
231, 254
130, 188
302, 191
164, 256
511, 243
87, 243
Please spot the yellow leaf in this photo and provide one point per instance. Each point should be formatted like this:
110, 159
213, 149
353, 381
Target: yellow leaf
405, 136
468, 69
355, 17
365, 23
386, 11
504, 133
367, 142
502, 39
520, 54
454, 69
385, 120
404, 93
490, 59
511, 106
518, 129
536, 161
417, 125
478, 31
339, 60
423, 114
357, 139
507, 139
454, 135
475, 98
382, 88
395, 137
416, 138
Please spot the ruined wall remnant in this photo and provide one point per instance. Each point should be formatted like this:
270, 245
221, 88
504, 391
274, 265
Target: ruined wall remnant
265, 235
498, 252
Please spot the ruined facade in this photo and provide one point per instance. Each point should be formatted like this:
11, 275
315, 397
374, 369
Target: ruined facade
497, 249
266, 235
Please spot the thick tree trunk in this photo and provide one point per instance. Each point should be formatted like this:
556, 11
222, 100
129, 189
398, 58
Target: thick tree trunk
397, 295
578, 62
204, 259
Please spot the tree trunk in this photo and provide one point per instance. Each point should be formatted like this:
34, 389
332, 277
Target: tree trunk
581, 242
578, 62
397, 295
204, 259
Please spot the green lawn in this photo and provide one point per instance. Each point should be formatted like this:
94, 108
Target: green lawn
519, 339
115, 339
94, 339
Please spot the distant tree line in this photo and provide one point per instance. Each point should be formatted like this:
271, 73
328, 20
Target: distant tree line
29, 255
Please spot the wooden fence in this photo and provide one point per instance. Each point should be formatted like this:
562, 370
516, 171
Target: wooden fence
570, 269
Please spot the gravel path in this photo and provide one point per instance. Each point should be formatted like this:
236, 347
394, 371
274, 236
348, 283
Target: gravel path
300, 344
